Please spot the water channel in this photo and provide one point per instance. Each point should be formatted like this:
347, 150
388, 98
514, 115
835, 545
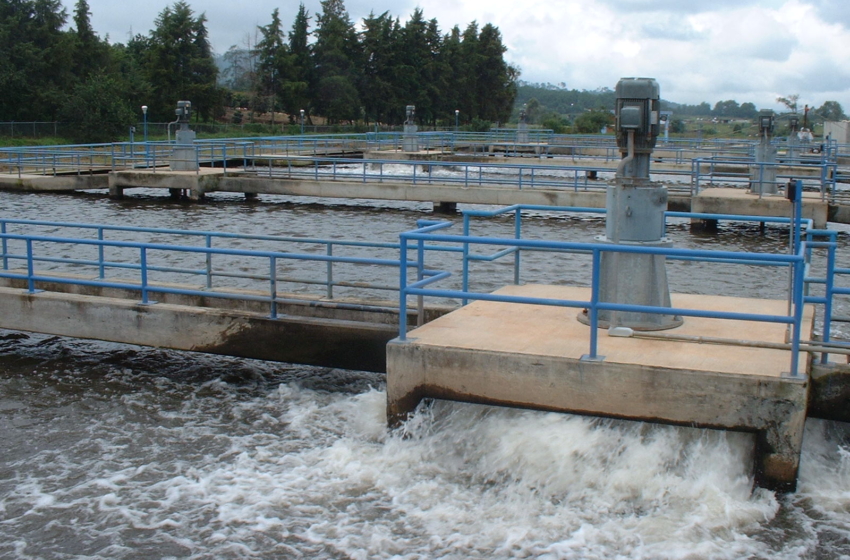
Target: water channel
115, 451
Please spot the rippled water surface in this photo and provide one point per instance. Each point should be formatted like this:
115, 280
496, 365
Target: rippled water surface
114, 451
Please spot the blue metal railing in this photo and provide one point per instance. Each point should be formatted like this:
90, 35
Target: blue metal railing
828, 280
745, 170
430, 234
522, 176
146, 287
34, 249
124, 155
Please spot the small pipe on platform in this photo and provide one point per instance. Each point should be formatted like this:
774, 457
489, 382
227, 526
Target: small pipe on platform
805, 345
629, 157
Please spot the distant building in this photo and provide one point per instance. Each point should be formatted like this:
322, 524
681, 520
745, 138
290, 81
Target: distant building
838, 131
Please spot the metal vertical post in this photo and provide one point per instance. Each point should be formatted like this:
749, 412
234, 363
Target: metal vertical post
101, 268
402, 289
143, 266
330, 271
30, 281
517, 235
5, 246
827, 307
420, 274
209, 262
273, 287
594, 301
465, 272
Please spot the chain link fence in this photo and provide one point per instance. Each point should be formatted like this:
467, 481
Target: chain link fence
38, 129
159, 130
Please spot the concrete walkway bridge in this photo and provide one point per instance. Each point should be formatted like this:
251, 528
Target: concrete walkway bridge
448, 169
417, 310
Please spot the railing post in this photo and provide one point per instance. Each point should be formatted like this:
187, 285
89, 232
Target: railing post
101, 267
420, 274
465, 264
594, 300
402, 289
5, 246
330, 271
799, 271
830, 285
518, 251
273, 287
209, 262
144, 274
30, 281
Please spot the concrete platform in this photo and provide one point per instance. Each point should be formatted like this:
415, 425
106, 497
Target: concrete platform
743, 203
400, 155
529, 356
315, 340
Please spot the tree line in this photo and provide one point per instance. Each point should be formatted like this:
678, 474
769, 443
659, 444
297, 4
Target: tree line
557, 107
371, 75
48, 73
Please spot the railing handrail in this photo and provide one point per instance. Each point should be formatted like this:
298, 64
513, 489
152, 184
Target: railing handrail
416, 239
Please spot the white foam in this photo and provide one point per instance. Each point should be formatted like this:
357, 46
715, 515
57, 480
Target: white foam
225, 473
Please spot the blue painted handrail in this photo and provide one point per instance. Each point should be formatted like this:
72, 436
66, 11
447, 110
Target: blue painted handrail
431, 234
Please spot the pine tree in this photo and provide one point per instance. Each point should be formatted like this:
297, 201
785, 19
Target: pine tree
298, 86
272, 62
379, 87
337, 57
35, 67
179, 63
496, 79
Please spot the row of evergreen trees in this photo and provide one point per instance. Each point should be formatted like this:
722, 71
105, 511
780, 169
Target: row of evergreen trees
98, 88
48, 73
371, 75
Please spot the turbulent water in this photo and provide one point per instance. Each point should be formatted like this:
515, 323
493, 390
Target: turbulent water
114, 451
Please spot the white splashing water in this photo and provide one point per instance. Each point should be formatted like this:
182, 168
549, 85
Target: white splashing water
218, 472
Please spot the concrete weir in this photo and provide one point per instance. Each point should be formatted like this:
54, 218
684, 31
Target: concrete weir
530, 356
317, 340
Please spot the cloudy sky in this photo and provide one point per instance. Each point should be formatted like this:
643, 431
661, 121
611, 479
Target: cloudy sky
698, 50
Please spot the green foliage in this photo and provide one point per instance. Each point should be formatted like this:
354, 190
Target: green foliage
96, 111
49, 71
477, 125
831, 111
178, 63
593, 122
564, 101
336, 57
338, 98
677, 126
36, 59
557, 124
790, 101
